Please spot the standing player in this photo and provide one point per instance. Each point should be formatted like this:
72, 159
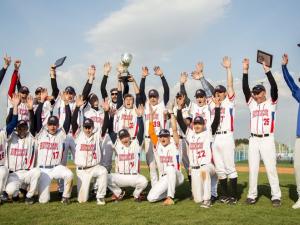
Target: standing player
168, 155
261, 142
7, 61
50, 145
158, 117
223, 146
128, 152
199, 139
88, 143
296, 94
21, 157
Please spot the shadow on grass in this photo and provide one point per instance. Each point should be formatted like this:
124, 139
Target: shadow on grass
293, 195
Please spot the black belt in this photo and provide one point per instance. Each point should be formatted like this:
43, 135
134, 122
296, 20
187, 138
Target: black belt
17, 170
260, 135
47, 167
197, 167
163, 174
85, 168
221, 132
129, 173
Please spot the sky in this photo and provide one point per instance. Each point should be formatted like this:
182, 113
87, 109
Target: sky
174, 34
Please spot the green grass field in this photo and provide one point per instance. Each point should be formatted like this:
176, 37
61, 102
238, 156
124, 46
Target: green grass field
185, 211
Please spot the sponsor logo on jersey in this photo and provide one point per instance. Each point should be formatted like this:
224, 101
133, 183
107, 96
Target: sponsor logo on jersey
49, 145
97, 119
18, 151
126, 117
196, 146
126, 157
86, 147
257, 113
166, 159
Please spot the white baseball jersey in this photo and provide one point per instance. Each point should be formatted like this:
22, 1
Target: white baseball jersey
126, 119
96, 116
203, 111
227, 114
199, 147
128, 158
88, 149
3, 141
262, 116
20, 152
168, 156
62, 111
50, 147
23, 113
46, 111
158, 120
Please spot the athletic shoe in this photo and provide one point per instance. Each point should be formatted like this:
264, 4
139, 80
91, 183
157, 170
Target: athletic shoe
4, 196
23, 193
250, 201
29, 201
118, 198
224, 199
16, 198
65, 200
140, 198
100, 201
168, 201
213, 199
232, 201
296, 205
60, 195
206, 204
276, 203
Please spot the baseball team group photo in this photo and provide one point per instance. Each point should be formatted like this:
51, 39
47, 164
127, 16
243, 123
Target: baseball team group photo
150, 112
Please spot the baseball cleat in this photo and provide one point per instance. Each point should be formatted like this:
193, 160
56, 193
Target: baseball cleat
232, 201
250, 201
206, 204
224, 199
100, 201
65, 200
296, 205
168, 201
16, 198
276, 203
213, 199
118, 198
29, 201
140, 198
4, 196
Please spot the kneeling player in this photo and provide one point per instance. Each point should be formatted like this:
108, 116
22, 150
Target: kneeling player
168, 154
199, 139
128, 160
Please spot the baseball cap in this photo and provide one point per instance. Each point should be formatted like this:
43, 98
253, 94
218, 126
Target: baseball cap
179, 94
164, 133
24, 90
70, 90
38, 90
53, 120
113, 90
219, 89
298, 45
128, 95
93, 98
153, 93
123, 133
199, 120
87, 122
200, 93
22, 123
258, 88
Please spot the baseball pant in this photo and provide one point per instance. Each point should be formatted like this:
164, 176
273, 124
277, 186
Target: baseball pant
263, 148
152, 162
214, 185
201, 182
183, 154
3, 178
57, 172
107, 153
297, 164
223, 156
84, 180
117, 181
166, 185
16, 179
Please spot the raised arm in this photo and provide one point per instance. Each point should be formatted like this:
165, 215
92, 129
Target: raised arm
216, 121
14, 78
120, 96
159, 72
274, 89
38, 111
180, 121
227, 65
183, 80
32, 126
88, 86
136, 91
106, 121
246, 89
145, 73
140, 122
106, 71
198, 75
13, 122
174, 128
74, 123
287, 76
67, 122
7, 61
55, 90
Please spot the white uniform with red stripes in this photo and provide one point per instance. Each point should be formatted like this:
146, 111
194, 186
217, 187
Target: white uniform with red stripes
159, 123
46, 112
50, 151
21, 157
200, 157
223, 145
126, 119
3, 161
87, 161
23, 113
262, 146
170, 176
127, 169
203, 111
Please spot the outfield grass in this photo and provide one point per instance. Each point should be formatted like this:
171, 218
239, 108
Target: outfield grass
184, 211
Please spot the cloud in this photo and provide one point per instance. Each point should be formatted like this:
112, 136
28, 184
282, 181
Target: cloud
153, 29
39, 52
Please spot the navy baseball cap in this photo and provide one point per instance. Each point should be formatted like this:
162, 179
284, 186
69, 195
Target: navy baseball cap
298, 45
153, 93
219, 89
114, 90
93, 98
24, 90
179, 94
164, 133
257, 89
200, 93
88, 122
53, 120
128, 95
123, 134
39, 90
199, 120
70, 90
22, 123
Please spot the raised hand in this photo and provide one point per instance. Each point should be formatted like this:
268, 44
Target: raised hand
107, 68
196, 75
92, 72
29, 102
158, 71
130, 78
79, 101
7, 61
15, 100
226, 63
199, 67
266, 68
120, 68
140, 110
145, 71
17, 64
44, 95
285, 59
183, 77
105, 105
245, 65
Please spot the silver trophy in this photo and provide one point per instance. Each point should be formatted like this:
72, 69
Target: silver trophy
126, 59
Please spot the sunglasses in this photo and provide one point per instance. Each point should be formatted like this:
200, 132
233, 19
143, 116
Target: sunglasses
87, 127
114, 93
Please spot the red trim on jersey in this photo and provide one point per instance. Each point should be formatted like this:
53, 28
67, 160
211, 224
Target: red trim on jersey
231, 97
273, 122
31, 160
136, 130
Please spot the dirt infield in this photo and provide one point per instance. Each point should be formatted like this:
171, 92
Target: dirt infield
281, 170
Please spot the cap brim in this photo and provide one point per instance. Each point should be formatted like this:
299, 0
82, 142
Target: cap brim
164, 135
